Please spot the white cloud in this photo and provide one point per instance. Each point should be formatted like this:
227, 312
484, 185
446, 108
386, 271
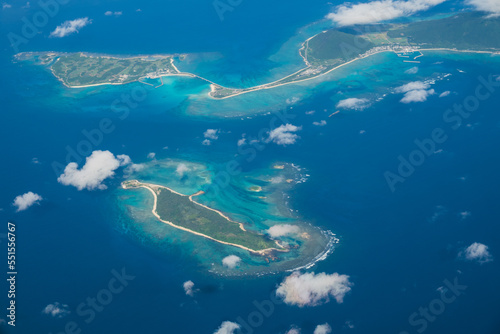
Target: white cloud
415, 85
151, 155
98, 166
284, 134
181, 169
231, 261
242, 141
211, 134
227, 327
445, 94
419, 95
22, 202
109, 13
6, 5
311, 112
206, 142
416, 91
132, 168
56, 310
188, 288
323, 329
465, 214
378, 11
353, 103
477, 252
293, 330
490, 6
310, 289
69, 27
413, 70
320, 123
283, 230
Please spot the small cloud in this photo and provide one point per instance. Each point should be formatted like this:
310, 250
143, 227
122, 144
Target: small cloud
231, 261
309, 289
211, 134
188, 288
353, 103
99, 166
6, 5
415, 85
181, 169
138, 10
277, 231
227, 327
70, 27
477, 252
413, 70
242, 141
417, 96
132, 168
206, 142
27, 6
293, 330
311, 112
416, 91
378, 11
35, 161
284, 134
320, 123
445, 94
22, 202
151, 155
323, 329
465, 214
110, 13
56, 310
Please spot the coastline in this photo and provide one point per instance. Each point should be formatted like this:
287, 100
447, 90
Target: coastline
150, 187
240, 91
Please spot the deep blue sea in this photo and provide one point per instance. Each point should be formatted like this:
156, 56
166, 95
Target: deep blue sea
398, 247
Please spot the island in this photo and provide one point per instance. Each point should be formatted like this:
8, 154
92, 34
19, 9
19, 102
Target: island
182, 212
321, 53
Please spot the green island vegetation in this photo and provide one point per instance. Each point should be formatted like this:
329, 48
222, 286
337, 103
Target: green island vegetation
183, 212
467, 31
81, 69
322, 53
